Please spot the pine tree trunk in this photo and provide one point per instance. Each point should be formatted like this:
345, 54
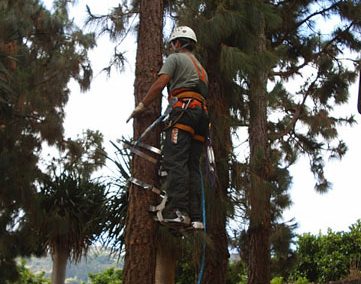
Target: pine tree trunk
165, 266
140, 227
217, 254
60, 259
259, 195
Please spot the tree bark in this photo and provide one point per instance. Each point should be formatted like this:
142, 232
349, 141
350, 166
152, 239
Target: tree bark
260, 194
140, 227
165, 266
60, 259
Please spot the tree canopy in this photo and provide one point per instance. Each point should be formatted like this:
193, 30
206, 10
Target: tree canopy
277, 76
40, 51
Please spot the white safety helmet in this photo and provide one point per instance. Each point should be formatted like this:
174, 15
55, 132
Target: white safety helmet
183, 32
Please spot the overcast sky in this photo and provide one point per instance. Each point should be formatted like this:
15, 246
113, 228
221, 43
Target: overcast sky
110, 101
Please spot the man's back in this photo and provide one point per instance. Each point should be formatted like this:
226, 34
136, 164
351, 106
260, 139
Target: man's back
183, 68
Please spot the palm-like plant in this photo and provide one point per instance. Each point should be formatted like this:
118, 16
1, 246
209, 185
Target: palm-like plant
40, 51
73, 207
118, 200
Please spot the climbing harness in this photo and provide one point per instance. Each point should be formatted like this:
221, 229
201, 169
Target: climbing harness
187, 100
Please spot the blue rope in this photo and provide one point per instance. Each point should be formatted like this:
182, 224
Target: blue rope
202, 266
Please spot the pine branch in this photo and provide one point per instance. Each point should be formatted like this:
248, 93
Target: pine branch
317, 13
299, 24
297, 113
291, 71
295, 69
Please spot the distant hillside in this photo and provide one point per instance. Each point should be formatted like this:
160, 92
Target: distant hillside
96, 261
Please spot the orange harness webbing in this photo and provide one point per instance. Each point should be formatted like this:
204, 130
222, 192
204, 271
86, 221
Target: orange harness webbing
191, 131
192, 103
202, 75
192, 95
198, 99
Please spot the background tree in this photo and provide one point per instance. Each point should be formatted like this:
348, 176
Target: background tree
283, 256
40, 51
108, 276
307, 125
73, 205
26, 276
262, 45
253, 50
329, 257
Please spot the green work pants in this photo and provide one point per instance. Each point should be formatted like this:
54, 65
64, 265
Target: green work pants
181, 159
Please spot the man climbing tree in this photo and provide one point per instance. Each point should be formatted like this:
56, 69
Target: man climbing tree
186, 130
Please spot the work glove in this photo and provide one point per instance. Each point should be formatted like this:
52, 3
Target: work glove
138, 110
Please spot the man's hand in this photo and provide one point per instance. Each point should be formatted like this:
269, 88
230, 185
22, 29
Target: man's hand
138, 110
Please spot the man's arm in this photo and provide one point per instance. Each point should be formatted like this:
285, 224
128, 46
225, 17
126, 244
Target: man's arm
153, 92
156, 89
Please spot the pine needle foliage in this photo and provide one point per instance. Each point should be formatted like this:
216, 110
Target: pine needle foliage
294, 44
306, 76
118, 24
40, 51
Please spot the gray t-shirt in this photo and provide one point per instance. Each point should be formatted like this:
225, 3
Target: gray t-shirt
183, 73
